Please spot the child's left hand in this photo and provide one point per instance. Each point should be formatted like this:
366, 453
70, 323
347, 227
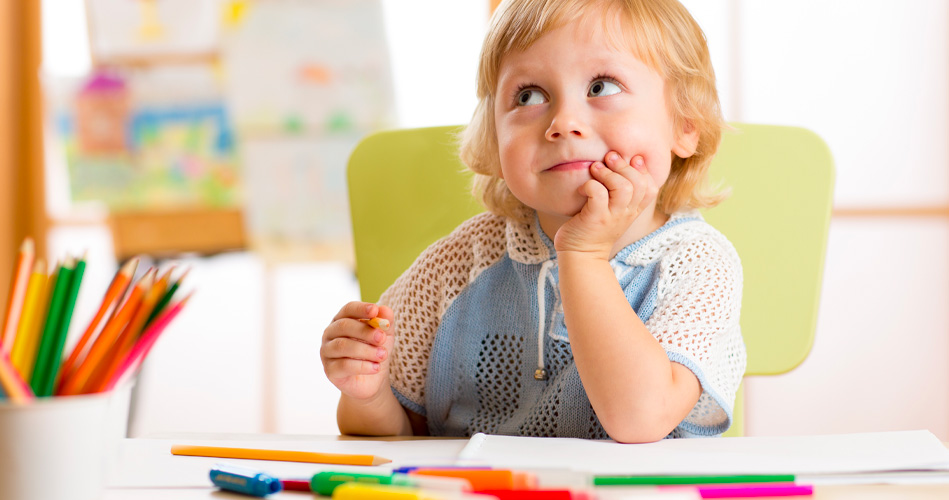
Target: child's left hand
619, 192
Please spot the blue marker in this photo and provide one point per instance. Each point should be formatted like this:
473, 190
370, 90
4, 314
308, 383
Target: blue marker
246, 481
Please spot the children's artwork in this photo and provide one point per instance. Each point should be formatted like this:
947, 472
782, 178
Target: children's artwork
131, 29
303, 66
297, 205
306, 80
146, 140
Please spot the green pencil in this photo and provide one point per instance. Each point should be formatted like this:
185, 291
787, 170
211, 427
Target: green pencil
51, 327
54, 348
691, 479
165, 299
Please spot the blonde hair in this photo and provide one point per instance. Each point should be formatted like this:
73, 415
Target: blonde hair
661, 33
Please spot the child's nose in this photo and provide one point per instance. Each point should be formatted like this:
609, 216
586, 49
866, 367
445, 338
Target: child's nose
566, 122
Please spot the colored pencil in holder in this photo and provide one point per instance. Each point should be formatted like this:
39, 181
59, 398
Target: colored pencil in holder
27, 339
18, 286
77, 382
110, 302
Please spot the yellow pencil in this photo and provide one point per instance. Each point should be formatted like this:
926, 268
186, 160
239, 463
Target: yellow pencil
377, 323
27, 339
278, 455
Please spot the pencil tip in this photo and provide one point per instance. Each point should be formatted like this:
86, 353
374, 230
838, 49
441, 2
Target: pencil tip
27, 246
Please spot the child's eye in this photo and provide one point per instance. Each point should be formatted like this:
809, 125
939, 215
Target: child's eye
602, 87
529, 97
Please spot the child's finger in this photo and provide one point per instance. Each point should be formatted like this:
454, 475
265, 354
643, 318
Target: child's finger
342, 347
620, 188
358, 310
354, 329
344, 367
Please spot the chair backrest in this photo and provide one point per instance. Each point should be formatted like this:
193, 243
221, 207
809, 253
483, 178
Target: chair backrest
407, 188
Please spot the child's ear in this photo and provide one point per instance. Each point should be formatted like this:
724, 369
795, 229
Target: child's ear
687, 140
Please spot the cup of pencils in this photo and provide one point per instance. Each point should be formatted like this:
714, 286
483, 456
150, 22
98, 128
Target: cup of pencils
59, 407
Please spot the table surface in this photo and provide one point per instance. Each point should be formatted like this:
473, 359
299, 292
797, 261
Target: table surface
821, 492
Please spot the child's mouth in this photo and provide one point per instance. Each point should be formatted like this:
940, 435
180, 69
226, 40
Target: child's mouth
571, 165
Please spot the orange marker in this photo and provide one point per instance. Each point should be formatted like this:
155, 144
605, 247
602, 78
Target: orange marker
78, 381
21, 277
486, 479
116, 289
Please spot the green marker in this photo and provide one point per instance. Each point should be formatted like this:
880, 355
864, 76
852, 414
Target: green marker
696, 479
324, 483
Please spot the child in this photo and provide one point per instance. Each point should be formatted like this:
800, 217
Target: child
591, 300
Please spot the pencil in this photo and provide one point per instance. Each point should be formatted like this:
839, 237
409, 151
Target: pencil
76, 382
57, 303
123, 345
110, 302
377, 323
52, 347
18, 285
167, 298
278, 455
144, 344
757, 491
13, 385
23, 354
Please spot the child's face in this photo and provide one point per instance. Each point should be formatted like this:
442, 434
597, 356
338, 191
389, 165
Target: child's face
565, 102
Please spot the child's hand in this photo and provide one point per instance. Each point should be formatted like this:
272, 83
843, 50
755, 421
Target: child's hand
355, 355
618, 193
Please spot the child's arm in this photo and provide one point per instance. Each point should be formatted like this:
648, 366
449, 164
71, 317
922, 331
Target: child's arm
355, 358
638, 394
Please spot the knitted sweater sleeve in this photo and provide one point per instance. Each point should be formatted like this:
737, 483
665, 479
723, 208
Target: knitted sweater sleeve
697, 322
421, 295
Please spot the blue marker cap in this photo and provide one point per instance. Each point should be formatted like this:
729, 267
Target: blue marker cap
246, 481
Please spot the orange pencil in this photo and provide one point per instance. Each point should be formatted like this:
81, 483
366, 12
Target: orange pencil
127, 338
23, 354
116, 289
76, 383
21, 277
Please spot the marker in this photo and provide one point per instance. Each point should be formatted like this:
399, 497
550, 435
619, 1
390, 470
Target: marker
360, 491
694, 479
482, 479
324, 483
408, 469
546, 494
246, 481
757, 491
295, 485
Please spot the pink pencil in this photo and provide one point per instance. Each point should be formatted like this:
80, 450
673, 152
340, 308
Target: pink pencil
13, 385
145, 343
757, 491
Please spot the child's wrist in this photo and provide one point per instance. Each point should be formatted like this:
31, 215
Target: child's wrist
567, 257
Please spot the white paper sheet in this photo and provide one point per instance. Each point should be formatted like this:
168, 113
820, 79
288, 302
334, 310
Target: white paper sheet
827, 454
148, 463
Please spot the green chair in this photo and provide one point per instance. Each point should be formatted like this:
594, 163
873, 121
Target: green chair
407, 188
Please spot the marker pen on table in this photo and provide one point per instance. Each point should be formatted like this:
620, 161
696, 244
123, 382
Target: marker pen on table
360, 491
246, 481
325, 483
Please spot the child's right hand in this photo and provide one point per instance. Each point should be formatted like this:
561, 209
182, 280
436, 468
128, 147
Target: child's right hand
355, 355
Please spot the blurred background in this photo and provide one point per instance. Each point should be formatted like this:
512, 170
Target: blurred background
214, 134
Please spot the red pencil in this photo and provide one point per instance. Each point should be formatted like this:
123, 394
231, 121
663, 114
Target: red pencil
145, 343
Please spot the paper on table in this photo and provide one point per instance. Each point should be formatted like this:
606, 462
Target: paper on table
827, 454
148, 463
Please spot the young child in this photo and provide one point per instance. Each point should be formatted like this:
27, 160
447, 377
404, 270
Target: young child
591, 300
